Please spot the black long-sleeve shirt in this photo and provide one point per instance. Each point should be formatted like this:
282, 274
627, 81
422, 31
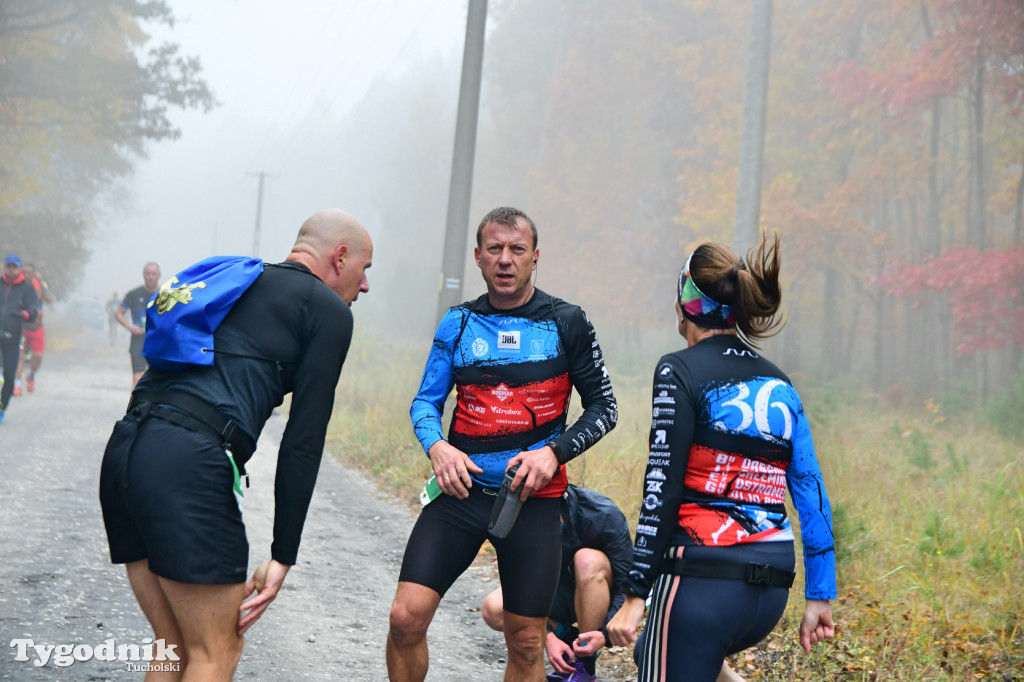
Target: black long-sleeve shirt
289, 333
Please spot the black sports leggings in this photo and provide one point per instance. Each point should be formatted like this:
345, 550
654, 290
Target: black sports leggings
694, 623
10, 348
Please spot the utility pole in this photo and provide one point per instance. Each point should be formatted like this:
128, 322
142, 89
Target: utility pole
453, 263
755, 105
263, 175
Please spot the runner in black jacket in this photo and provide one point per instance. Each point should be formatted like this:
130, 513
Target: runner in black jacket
597, 553
18, 305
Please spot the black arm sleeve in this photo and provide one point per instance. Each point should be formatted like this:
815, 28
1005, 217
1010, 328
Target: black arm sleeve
590, 379
328, 332
672, 428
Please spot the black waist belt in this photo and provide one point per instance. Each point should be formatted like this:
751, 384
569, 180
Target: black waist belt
751, 572
196, 415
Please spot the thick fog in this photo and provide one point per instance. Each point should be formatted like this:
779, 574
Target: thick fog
286, 82
894, 148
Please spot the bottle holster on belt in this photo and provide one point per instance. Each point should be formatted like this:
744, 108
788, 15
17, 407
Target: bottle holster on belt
196, 415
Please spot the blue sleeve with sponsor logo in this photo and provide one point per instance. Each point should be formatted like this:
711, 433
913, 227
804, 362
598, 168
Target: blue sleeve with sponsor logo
807, 488
672, 429
437, 382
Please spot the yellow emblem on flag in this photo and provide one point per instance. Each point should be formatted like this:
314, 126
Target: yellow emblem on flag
169, 295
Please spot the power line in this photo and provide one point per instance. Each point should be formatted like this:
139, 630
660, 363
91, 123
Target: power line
332, 65
263, 175
314, 74
311, 126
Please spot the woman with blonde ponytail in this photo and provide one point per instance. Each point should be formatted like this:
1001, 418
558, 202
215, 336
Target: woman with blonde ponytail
714, 546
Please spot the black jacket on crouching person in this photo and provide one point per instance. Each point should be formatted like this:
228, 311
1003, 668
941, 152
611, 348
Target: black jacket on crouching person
591, 520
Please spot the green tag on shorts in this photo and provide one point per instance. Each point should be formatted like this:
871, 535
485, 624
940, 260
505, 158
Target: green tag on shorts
236, 487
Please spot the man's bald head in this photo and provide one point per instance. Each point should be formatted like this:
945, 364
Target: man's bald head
337, 249
326, 229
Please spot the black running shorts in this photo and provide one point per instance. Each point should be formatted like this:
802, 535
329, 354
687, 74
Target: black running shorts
166, 495
449, 532
695, 622
135, 346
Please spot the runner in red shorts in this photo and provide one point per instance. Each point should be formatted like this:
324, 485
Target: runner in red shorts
33, 332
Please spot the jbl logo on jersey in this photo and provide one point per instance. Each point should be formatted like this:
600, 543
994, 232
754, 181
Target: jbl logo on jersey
508, 340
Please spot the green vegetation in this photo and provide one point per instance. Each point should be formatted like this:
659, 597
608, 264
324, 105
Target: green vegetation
928, 513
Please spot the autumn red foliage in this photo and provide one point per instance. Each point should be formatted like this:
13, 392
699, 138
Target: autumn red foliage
985, 290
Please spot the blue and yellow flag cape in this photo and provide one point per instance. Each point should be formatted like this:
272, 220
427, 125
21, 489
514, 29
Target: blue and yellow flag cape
182, 316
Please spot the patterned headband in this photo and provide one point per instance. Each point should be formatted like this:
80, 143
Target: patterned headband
699, 308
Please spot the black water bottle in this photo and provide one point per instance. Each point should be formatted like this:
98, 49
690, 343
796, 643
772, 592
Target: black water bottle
506, 507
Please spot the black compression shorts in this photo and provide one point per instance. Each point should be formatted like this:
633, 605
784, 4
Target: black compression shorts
694, 622
449, 532
167, 496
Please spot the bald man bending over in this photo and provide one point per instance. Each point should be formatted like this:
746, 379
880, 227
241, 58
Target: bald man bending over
170, 482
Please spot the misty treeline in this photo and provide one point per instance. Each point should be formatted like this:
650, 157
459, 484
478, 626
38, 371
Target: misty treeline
894, 172
894, 164
81, 92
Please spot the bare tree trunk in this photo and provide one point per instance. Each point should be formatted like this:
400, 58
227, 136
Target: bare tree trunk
978, 159
880, 368
755, 106
830, 345
851, 335
933, 227
1018, 212
791, 357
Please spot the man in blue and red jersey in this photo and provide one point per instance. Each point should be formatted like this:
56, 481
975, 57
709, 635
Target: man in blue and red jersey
514, 355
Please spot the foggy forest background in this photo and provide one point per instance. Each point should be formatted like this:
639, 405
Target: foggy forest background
893, 171
894, 166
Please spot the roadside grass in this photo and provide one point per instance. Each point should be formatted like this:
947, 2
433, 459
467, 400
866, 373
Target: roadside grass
928, 514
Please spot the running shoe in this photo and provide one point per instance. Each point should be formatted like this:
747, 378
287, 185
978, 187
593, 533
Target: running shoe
30, 384
17, 389
578, 675
581, 674
1, 416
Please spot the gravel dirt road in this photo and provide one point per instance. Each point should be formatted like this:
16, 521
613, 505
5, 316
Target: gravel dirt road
329, 623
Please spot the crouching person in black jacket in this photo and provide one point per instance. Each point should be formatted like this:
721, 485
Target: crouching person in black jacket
597, 553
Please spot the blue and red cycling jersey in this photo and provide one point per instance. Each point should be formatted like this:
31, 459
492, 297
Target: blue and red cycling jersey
514, 371
728, 436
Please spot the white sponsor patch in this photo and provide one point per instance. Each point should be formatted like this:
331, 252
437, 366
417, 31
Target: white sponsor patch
508, 340
502, 392
656, 474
